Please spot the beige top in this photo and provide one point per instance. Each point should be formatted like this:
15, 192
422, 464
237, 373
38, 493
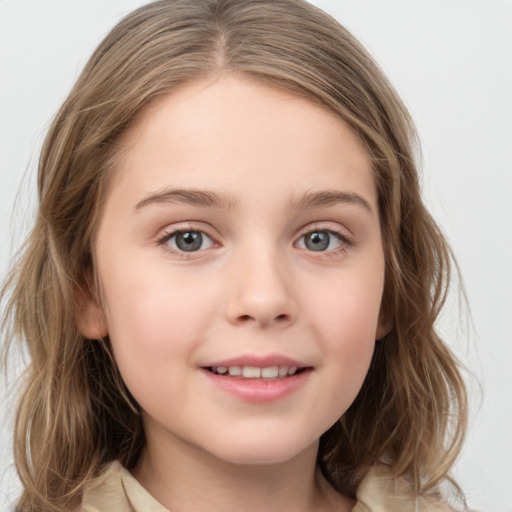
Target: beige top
117, 490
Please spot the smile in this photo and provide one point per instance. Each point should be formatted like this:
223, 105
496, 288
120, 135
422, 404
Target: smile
258, 379
255, 372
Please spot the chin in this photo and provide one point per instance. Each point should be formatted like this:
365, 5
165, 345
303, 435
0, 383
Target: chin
264, 451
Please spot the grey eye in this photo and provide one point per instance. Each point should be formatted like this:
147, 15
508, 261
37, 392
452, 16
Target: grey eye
190, 241
319, 241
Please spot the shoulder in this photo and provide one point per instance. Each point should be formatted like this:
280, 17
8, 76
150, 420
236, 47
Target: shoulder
380, 492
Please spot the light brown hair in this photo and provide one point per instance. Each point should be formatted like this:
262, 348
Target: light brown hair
74, 413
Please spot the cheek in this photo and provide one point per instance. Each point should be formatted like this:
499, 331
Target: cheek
155, 306
152, 336
347, 307
346, 318
153, 324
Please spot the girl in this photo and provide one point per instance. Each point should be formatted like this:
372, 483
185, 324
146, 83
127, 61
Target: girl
230, 292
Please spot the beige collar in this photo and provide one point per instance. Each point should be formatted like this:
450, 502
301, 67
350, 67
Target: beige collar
116, 489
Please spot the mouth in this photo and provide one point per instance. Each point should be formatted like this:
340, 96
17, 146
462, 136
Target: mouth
266, 373
258, 379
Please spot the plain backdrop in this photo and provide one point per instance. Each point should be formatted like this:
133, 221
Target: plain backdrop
451, 61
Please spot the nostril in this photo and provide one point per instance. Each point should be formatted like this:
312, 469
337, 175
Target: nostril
279, 318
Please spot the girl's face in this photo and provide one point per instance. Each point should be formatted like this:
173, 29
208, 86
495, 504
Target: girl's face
240, 234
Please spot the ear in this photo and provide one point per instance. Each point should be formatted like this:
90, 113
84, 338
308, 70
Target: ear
384, 325
89, 315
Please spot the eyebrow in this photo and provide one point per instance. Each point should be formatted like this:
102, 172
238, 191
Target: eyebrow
214, 199
191, 196
328, 198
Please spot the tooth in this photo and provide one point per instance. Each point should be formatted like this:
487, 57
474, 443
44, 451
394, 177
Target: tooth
270, 372
251, 372
292, 370
221, 369
235, 370
283, 371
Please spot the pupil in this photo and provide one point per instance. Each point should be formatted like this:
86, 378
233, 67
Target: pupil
317, 241
189, 241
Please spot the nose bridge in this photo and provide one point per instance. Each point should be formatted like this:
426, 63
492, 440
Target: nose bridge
262, 291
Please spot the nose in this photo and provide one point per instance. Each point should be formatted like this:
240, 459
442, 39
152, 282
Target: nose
261, 292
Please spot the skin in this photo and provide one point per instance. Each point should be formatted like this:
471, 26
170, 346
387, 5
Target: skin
254, 289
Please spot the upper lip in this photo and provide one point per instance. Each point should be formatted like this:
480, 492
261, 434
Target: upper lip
257, 361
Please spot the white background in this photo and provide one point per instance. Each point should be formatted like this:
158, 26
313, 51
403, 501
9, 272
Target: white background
451, 60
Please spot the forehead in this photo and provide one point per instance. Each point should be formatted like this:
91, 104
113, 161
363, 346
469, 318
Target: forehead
231, 133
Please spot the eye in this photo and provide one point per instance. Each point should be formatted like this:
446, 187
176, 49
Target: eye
187, 241
320, 240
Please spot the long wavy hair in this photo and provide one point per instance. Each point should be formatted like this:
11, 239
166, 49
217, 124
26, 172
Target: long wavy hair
74, 413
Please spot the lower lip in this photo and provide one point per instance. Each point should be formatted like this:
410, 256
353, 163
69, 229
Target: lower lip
256, 390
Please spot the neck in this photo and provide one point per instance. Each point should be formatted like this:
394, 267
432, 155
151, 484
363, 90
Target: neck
185, 479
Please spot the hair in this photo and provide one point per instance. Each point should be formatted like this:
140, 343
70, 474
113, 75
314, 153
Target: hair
75, 414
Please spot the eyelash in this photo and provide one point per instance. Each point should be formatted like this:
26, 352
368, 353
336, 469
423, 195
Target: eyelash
168, 235
345, 241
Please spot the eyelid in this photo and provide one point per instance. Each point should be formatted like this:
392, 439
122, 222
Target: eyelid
167, 233
331, 227
342, 234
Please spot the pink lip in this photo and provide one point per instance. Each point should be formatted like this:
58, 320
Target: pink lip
257, 361
258, 390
